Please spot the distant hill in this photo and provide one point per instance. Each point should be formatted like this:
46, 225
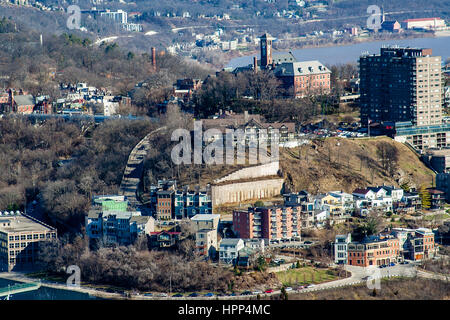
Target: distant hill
354, 163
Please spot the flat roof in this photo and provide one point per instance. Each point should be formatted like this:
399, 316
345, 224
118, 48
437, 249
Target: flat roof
203, 217
22, 223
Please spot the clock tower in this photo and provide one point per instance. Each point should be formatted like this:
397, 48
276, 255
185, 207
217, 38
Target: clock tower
266, 50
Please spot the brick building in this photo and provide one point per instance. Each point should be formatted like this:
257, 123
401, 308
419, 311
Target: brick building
374, 251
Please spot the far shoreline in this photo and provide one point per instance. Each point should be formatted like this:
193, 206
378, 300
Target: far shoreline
330, 44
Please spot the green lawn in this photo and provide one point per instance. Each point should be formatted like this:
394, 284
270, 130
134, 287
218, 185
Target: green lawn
304, 275
441, 216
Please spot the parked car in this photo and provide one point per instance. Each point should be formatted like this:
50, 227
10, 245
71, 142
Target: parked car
288, 289
307, 242
391, 264
404, 262
162, 295
233, 294
268, 291
209, 294
382, 266
311, 285
193, 294
246, 293
177, 295
256, 292
148, 294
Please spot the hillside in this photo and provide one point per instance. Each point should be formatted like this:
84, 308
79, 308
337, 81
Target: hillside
346, 164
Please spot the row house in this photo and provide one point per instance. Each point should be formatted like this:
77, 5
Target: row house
267, 222
205, 227
416, 244
117, 227
167, 202
397, 245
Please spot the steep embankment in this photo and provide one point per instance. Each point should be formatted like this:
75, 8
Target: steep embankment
346, 164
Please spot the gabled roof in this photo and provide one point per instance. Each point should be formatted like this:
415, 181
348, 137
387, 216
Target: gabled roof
361, 191
24, 100
303, 68
283, 57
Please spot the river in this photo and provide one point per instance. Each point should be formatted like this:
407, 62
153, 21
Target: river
46, 293
350, 53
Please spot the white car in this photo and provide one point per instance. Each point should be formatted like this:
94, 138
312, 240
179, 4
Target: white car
311, 285
257, 292
288, 289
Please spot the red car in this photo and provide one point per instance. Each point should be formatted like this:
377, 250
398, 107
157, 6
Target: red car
268, 291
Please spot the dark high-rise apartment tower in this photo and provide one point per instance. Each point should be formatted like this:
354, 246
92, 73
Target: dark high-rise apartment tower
401, 84
266, 50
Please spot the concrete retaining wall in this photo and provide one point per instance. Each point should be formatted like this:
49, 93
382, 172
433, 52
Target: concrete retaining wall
263, 170
242, 191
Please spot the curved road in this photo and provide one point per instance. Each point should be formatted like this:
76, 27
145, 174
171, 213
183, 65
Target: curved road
133, 171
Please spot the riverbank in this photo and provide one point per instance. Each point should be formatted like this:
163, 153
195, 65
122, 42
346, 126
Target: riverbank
306, 49
20, 277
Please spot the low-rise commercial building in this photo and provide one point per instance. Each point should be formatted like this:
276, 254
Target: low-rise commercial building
374, 251
20, 235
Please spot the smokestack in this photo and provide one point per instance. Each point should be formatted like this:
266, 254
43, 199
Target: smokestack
154, 58
255, 64
11, 99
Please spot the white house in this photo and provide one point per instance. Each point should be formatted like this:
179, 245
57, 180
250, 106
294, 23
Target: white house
364, 193
255, 244
340, 248
383, 203
229, 250
395, 193
379, 192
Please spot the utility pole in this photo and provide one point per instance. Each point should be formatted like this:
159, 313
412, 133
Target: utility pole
368, 126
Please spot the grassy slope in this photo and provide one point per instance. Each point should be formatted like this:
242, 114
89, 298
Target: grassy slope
394, 289
308, 167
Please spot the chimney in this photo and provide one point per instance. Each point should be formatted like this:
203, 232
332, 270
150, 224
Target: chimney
255, 64
154, 58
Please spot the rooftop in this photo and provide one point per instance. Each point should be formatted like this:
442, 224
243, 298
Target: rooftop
22, 223
301, 68
205, 217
